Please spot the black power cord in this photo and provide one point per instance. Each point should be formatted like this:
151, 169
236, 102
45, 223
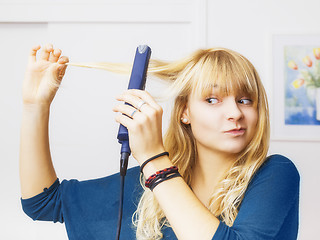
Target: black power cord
123, 172
120, 206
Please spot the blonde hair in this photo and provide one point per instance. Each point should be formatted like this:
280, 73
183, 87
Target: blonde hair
197, 73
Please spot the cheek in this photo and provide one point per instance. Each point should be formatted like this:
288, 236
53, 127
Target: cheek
203, 124
252, 119
255, 118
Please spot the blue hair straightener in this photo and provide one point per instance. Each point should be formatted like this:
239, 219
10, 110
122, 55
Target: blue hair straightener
137, 81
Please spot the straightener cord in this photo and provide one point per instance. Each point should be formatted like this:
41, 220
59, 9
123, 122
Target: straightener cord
120, 207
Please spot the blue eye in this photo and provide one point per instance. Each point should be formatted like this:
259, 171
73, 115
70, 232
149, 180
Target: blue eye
212, 100
245, 101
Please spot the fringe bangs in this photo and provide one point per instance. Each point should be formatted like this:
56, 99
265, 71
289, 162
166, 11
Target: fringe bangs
227, 72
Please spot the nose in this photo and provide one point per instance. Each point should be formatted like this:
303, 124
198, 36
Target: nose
232, 110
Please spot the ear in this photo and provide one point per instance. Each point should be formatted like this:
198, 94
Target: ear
185, 116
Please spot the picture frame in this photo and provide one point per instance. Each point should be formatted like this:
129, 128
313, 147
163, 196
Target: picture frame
296, 87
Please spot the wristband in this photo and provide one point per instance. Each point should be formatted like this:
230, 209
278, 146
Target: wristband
152, 158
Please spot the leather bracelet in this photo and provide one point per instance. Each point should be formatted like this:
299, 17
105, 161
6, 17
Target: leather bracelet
152, 158
174, 175
161, 176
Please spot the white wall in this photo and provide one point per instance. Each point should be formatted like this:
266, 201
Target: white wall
82, 129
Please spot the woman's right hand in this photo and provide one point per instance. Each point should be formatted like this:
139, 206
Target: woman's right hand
43, 75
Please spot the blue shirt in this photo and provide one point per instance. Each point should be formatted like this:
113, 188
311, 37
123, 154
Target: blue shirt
89, 209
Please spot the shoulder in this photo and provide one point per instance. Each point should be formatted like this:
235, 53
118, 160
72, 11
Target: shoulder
279, 165
277, 173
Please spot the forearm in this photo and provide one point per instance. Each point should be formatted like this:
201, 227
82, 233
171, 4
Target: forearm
36, 168
189, 218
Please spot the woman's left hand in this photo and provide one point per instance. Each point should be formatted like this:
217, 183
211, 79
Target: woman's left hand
144, 123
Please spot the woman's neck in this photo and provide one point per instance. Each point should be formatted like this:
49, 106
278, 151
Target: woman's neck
209, 169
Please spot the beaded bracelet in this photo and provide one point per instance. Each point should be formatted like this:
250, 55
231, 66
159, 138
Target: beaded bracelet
162, 176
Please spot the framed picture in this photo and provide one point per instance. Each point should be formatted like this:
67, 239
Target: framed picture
296, 87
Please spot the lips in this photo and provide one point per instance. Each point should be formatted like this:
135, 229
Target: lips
236, 132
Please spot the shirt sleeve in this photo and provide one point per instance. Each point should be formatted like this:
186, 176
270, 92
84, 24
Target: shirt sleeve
45, 206
88, 208
269, 209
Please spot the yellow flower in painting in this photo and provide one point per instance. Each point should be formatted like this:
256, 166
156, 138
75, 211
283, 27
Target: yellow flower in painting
316, 52
307, 60
298, 83
292, 64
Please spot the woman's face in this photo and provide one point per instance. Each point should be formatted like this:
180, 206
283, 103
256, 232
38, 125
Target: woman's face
221, 124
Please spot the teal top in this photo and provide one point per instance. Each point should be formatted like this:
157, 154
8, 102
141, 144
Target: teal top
89, 209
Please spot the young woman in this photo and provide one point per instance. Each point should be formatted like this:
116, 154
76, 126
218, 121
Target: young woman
225, 186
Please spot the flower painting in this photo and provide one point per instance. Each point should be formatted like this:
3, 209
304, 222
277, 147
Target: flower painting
295, 106
302, 85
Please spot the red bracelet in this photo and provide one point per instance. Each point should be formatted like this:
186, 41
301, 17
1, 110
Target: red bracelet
161, 176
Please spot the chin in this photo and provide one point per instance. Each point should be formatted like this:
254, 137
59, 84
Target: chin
235, 149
